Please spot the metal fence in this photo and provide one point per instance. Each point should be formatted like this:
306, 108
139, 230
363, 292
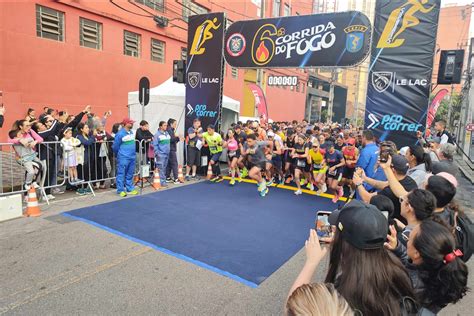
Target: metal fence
73, 166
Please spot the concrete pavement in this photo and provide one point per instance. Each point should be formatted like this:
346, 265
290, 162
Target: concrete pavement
54, 265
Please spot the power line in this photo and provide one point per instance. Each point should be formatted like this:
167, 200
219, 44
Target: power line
230, 10
124, 9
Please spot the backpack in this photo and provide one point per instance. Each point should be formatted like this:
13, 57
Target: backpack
464, 234
409, 307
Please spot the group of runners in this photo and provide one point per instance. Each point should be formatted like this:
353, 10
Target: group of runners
321, 158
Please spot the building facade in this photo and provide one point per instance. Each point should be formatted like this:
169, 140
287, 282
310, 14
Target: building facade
67, 54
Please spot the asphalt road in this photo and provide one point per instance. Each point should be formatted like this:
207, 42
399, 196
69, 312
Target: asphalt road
54, 265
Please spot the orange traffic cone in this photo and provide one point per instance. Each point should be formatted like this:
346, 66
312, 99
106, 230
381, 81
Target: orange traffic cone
180, 174
156, 180
32, 208
209, 172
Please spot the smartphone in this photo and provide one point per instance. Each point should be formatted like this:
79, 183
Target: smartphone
322, 226
384, 156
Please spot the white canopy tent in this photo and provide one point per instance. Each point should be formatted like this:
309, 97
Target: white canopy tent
168, 101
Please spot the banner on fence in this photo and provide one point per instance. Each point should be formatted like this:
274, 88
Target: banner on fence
204, 69
332, 39
400, 68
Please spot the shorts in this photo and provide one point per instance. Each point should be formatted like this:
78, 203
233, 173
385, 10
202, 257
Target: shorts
193, 156
235, 155
317, 170
261, 165
348, 173
287, 158
306, 168
337, 175
276, 162
215, 157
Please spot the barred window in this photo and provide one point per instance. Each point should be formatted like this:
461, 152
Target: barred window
90, 33
192, 8
235, 73
184, 53
157, 50
131, 44
49, 23
157, 5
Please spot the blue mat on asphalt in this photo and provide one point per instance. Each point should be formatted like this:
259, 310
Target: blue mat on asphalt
229, 230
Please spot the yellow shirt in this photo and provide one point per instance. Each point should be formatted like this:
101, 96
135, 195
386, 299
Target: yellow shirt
316, 157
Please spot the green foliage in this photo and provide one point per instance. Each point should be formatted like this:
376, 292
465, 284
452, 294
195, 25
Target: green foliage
455, 103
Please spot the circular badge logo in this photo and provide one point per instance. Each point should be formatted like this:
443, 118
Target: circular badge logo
236, 45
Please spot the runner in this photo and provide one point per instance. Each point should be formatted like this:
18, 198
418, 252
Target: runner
335, 161
319, 167
276, 159
289, 161
300, 154
233, 155
214, 141
255, 156
351, 154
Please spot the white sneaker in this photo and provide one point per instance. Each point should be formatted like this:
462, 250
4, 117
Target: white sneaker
35, 185
50, 197
324, 189
298, 192
27, 187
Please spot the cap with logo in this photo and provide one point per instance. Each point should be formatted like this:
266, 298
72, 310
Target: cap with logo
360, 224
127, 120
351, 141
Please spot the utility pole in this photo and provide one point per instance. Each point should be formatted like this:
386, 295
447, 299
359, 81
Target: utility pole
331, 96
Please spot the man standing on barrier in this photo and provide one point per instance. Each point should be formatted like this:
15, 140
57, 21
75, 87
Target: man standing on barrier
161, 145
124, 149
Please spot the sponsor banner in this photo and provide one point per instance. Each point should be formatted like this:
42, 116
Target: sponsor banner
400, 68
260, 102
204, 69
434, 106
334, 39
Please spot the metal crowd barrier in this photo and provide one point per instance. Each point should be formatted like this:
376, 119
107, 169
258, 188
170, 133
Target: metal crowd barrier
96, 166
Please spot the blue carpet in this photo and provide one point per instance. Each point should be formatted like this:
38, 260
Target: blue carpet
229, 230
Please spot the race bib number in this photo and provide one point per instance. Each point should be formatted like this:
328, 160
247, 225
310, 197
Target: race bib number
232, 153
332, 173
317, 166
212, 148
301, 163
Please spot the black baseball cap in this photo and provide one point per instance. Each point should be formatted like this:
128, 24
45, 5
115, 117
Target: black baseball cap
400, 163
360, 224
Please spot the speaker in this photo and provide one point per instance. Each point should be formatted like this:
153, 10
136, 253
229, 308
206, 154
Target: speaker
179, 71
450, 66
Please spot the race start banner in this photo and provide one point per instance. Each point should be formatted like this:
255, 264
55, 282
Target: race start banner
400, 68
320, 40
204, 69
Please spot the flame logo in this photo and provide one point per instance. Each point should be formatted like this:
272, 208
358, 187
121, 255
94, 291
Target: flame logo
262, 53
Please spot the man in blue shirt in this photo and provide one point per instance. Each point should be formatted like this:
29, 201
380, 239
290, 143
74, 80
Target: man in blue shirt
124, 150
369, 154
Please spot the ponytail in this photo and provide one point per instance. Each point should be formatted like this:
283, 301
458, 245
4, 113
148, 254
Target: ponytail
443, 272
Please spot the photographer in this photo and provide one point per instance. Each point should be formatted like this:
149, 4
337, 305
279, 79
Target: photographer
399, 166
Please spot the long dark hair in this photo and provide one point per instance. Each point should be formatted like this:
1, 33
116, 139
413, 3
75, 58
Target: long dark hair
443, 190
421, 157
423, 203
444, 282
372, 281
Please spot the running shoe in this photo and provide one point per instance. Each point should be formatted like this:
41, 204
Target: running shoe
133, 192
244, 173
213, 179
310, 186
80, 192
288, 179
35, 185
264, 192
261, 186
340, 191
218, 179
123, 194
303, 182
50, 197
239, 179
169, 180
298, 192
88, 191
269, 183
232, 182
324, 188
176, 181
319, 192
187, 178
336, 197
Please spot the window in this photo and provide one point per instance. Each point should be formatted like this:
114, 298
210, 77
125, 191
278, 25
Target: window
297, 87
157, 5
49, 23
287, 10
184, 53
235, 73
157, 50
131, 44
192, 8
276, 7
90, 33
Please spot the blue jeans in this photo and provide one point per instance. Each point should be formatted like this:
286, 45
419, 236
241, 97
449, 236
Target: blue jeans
162, 163
125, 171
